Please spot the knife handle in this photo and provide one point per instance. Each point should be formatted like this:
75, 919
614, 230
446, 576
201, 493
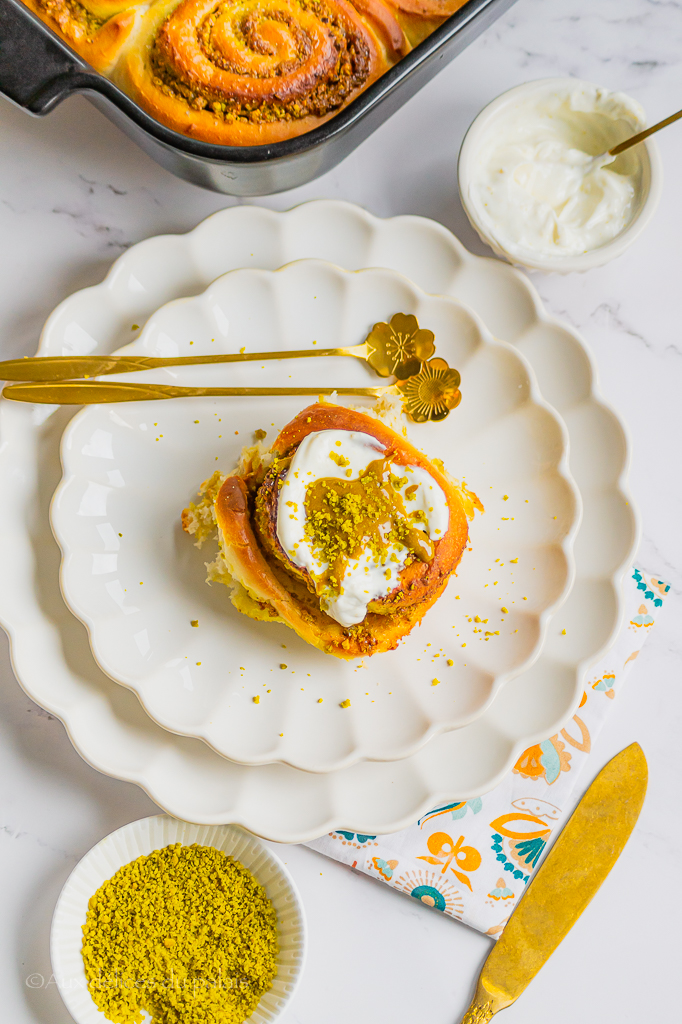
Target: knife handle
488, 1000
478, 1013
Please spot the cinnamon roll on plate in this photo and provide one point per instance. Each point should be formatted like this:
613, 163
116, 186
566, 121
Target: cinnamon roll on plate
342, 530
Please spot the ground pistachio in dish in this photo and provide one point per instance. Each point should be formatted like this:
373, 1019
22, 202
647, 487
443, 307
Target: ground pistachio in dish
185, 933
342, 529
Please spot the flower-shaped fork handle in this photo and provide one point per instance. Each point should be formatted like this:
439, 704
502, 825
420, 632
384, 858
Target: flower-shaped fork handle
431, 393
400, 347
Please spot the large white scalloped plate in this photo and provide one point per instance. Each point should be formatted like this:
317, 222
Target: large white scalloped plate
137, 584
107, 725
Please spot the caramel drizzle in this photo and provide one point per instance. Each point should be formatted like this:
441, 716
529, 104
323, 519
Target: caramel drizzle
345, 517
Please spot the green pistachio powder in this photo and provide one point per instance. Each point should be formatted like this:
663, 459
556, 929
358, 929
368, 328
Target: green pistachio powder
185, 933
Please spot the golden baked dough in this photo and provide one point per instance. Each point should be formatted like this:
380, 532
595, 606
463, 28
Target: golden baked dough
385, 20
419, 18
429, 8
96, 29
243, 72
276, 589
251, 72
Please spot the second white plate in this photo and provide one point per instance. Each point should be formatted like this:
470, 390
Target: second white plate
137, 583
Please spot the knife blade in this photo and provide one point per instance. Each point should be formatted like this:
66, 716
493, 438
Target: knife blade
571, 874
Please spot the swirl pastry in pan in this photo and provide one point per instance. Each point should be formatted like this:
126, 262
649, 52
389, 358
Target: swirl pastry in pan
243, 72
343, 531
252, 72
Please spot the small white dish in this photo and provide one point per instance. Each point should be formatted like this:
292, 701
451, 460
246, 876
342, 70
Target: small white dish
137, 582
140, 838
644, 159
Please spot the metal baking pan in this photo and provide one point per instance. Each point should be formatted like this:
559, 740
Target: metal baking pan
38, 71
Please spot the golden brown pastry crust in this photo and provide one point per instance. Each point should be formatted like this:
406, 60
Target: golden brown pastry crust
277, 70
96, 29
384, 18
252, 557
257, 72
429, 8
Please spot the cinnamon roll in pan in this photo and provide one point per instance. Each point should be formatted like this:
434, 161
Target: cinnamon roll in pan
268, 583
253, 72
243, 72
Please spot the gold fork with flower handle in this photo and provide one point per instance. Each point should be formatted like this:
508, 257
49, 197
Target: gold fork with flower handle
58, 368
427, 395
395, 349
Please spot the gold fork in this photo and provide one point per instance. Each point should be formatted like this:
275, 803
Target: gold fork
395, 349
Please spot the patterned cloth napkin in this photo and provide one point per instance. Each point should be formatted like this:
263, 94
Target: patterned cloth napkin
472, 859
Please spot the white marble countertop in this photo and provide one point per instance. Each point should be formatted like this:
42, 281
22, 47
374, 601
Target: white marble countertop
74, 192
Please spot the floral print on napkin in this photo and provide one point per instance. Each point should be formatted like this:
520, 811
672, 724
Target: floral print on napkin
472, 859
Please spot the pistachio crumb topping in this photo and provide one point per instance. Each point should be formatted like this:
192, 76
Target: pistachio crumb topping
186, 913
345, 518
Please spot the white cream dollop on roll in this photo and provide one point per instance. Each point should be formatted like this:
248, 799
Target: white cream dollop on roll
364, 580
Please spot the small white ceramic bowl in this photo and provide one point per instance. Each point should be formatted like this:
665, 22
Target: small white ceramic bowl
143, 837
648, 194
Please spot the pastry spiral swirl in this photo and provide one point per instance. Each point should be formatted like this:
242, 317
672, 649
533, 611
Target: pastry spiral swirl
251, 71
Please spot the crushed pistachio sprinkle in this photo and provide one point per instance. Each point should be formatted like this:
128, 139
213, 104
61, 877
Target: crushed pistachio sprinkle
345, 517
186, 934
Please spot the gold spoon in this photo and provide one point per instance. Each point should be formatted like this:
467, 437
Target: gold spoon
394, 349
427, 395
608, 157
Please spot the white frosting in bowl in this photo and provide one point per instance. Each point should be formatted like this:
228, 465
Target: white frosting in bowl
370, 577
527, 176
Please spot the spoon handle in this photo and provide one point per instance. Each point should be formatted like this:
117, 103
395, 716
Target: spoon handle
98, 392
622, 146
46, 368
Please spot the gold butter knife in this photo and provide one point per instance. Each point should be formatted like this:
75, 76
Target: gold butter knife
573, 871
